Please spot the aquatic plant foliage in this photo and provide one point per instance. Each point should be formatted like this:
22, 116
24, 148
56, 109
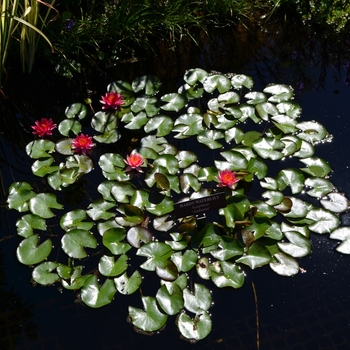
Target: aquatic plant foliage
218, 176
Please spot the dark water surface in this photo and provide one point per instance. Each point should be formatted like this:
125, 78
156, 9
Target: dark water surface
308, 311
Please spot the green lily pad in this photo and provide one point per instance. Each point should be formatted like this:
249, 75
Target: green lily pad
76, 110
324, 220
42, 203
27, 223
230, 275
298, 245
157, 254
285, 265
112, 239
74, 241
175, 102
199, 299
94, 295
128, 285
30, 253
19, 195
150, 319
170, 300
74, 219
194, 329
342, 234
161, 123
319, 186
43, 274
110, 267
257, 256
335, 202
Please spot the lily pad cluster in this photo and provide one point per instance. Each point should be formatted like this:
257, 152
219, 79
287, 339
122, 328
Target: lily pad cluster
214, 123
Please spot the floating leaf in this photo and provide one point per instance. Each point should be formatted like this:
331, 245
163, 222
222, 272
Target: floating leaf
298, 245
239, 80
40, 148
293, 178
161, 123
320, 186
230, 275
27, 223
216, 81
76, 110
42, 203
342, 234
316, 166
286, 265
324, 220
312, 131
74, 242
170, 300
257, 256
199, 300
175, 102
128, 285
335, 202
94, 295
157, 254
110, 267
43, 274
112, 239
74, 219
30, 253
19, 195
150, 84
194, 329
151, 318
68, 125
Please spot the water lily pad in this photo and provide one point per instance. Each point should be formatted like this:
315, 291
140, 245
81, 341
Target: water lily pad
230, 275
342, 234
335, 202
168, 271
285, 265
112, 239
216, 81
324, 220
74, 219
150, 84
257, 256
170, 299
298, 245
151, 318
293, 178
94, 295
194, 329
175, 102
186, 261
99, 210
27, 223
240, 80
76, 110
311, 131
320, 186
128, 285
19, 195
43, 274
157, 254
148, 104
199, 299
40, 148
68, 125
316, 166
74, 242
110, 267
42, 203
161, 123
30, 253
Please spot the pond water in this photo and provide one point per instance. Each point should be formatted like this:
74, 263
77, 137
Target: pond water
308, 311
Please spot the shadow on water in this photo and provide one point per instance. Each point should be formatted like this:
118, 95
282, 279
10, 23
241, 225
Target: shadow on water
308, 311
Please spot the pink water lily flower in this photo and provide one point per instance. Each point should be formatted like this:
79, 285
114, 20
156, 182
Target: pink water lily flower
112, 100
134, 162
43, 127
82, 144
227, 178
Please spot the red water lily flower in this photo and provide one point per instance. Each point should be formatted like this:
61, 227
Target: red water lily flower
82, 144
112, 100
227, 178
134, 161
43, 127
